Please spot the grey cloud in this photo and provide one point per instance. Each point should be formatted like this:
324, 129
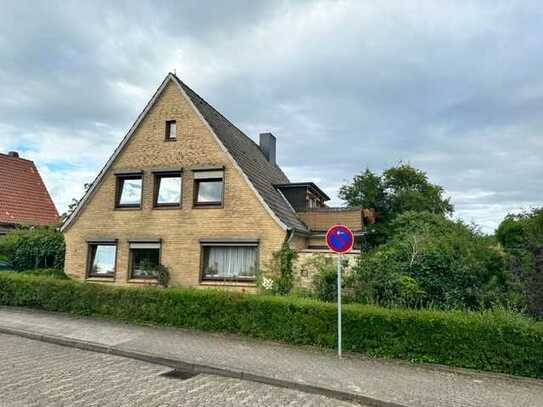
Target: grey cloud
453, 88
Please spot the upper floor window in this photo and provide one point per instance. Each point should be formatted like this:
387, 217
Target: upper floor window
129, 190
168, 187
170, 130
208, 188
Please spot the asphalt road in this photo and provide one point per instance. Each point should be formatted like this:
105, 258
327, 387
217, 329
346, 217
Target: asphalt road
35, 373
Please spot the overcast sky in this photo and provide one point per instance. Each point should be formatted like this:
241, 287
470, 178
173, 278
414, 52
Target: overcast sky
455, 90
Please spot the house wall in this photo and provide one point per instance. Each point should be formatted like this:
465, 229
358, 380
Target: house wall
242, 216
322, 219
304, 266
296, 197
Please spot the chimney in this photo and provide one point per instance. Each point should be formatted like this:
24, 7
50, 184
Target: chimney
267, 145
13, 154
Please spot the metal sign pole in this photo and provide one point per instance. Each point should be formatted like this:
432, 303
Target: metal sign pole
339, 305
339, 239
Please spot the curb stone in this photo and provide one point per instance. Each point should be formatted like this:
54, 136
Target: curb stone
203, 369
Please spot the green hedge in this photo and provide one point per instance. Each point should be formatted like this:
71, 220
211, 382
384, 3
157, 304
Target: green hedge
494, 341
38, 247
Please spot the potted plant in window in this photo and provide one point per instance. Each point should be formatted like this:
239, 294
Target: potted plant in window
162, 275
157, 271
144, 269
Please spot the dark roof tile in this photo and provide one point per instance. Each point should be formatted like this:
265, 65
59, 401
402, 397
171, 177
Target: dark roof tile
247, 154
260, 172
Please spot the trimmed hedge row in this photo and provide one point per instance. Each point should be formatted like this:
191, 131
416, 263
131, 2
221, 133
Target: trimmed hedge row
494, 341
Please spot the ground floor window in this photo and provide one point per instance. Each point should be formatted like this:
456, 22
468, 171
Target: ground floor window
232, 262
102, 258
144, 259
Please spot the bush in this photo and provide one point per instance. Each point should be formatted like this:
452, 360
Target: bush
325, 277
4, 263
33, 248
494, 340
432, 261
51, 273
325, 285
522, 237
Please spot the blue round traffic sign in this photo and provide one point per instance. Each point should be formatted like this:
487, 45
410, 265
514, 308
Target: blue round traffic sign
339, 239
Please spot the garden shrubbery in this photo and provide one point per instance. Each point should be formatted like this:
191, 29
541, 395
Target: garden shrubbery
522, 237
493, 340
416, 256
324, 282
33, 248
428, 262
52, 273
431, 261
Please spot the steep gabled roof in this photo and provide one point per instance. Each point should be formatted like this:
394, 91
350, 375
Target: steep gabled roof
24, 199
246, 154
262, 174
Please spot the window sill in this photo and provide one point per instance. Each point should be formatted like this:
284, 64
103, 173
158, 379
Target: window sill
231, 283
168, 140
143, 280
162, 207
104, 278
127, 208
207, 206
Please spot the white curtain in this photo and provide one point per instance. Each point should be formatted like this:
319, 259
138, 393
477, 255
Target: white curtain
104, 259
231, 262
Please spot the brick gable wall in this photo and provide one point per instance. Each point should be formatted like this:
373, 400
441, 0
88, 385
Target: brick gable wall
180, 229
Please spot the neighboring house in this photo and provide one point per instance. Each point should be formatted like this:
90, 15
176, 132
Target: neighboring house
24, 200
187, 189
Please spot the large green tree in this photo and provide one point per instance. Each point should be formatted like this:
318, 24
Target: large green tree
398, 189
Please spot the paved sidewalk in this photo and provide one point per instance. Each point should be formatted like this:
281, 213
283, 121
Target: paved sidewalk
375, 379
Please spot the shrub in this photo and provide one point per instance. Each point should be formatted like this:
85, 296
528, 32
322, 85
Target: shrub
522, 237
325, 285
434, 261
4, 263
51, 273
325, 277
32, 248
493, 340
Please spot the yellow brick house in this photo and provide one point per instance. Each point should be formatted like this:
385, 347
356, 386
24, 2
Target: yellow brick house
187, 189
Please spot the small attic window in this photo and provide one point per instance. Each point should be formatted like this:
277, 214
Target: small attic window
170, 130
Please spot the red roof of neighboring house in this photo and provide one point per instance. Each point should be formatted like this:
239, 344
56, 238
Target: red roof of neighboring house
23, 196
